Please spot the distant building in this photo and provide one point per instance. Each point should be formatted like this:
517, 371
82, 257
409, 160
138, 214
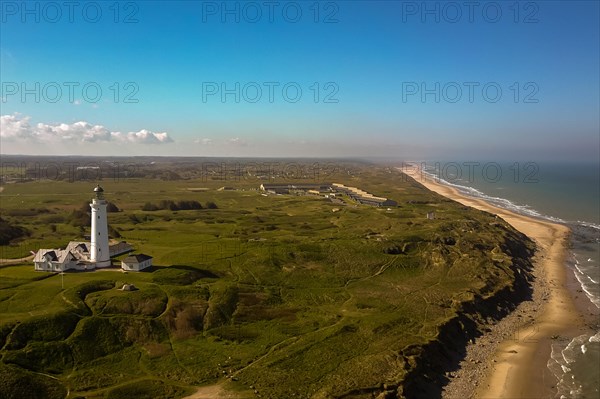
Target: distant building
362, 196
286, 188
376, 201
136, 263
329, 189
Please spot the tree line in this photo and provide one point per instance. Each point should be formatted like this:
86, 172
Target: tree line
177, 206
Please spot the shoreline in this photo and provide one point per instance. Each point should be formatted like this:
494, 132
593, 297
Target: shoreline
510, 359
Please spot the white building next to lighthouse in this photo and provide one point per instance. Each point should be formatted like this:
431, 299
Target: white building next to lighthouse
88, 255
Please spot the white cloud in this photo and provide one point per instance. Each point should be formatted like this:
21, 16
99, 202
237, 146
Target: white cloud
237, 141
204, 141
144, 137
14, 127
17, 128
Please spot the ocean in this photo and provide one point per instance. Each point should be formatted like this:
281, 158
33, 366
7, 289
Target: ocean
567, 193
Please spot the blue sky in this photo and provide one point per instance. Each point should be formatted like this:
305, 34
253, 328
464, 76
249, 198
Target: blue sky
367, 62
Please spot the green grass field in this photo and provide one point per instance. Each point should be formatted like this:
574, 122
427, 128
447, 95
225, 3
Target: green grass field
275, 292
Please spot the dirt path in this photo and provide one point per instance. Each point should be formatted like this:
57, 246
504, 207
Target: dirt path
7, 262
213, 392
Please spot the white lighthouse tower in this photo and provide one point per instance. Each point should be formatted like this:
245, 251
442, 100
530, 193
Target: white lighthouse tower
99, 252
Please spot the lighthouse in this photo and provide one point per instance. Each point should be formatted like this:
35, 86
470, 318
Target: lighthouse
99, 252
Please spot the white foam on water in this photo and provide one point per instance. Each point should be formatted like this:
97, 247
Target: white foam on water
595, 338
566, 365
589, 224
587, 283
502, 202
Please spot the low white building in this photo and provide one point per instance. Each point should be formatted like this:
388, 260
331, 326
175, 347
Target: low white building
74, 257
136, 263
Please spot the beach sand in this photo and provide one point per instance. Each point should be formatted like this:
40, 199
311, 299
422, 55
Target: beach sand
510, 361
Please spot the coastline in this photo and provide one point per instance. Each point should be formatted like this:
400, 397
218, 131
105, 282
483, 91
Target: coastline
510, 359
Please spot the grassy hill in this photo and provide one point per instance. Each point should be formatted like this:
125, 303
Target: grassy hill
294, 296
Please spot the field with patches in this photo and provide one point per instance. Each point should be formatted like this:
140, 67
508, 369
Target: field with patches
284, 296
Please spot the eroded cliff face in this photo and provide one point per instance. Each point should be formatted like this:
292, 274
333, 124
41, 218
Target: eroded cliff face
428, 366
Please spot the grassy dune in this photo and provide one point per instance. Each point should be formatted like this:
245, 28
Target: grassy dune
279, 293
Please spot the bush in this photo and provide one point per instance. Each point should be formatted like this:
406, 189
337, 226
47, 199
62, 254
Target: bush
172, 205
113, 233
5, 330
43, 328
149, 207
9, 232
147, 302
149, 389
79, 218
16, 383
26, 212
50, 357
185, 318
221, 307
95, 337
111, 208
211, 205
188, 205
168, 204
53, 219
176, 276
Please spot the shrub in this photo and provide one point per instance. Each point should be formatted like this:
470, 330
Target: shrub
149, 207
43, 328
111, 208
221, 306
95, 337
168, 204
149, 389
51, 357
79, 218
147, 302
175, 275
18, 383
9, 232
113, 233
188, 205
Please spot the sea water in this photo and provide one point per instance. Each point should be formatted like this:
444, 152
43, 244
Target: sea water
567, 193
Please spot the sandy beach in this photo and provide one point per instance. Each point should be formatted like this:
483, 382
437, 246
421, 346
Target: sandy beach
510, 361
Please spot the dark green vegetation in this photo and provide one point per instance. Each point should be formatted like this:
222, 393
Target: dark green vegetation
10, 232
293, 295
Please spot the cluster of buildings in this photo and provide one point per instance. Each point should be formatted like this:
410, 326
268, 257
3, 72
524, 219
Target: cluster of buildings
97, 253
288, 188
328, 189
362, 196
